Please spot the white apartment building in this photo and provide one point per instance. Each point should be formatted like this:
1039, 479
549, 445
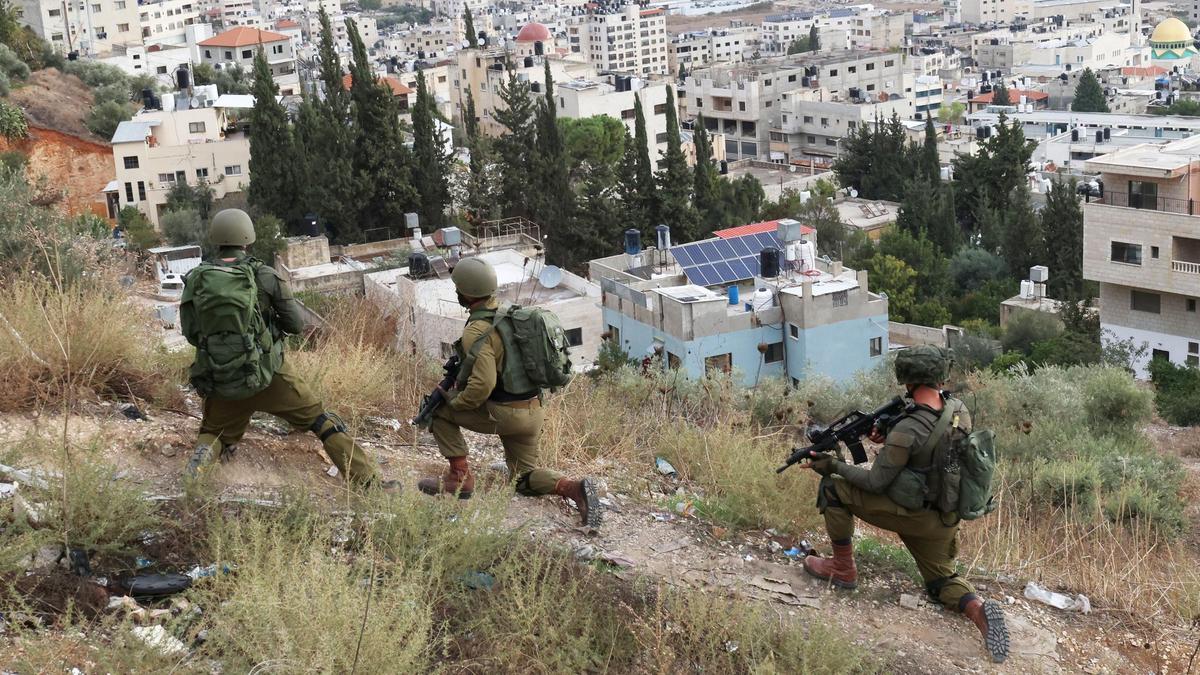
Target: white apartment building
368, 29
613, 96
87, 27
1008, 11
161, 63
238, 46
159, 148
717, 45
426, 42
166, 22
813, 122
626, 39
845, 28
1141, 242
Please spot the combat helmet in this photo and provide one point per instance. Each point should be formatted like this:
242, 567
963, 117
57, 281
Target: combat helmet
474, 278
231, 227
923, 364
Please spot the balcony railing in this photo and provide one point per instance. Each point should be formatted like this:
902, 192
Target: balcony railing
1185, 266
1150, 202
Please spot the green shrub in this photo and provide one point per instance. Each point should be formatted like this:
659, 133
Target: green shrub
181, 228
137, 229
268, 238
1026, 328
14, 161
1006, 362
1177, 392
11, 65
1071, 485
12, 121
104, 118
1115, 403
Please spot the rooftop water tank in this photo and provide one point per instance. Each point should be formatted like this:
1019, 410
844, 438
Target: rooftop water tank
633, 241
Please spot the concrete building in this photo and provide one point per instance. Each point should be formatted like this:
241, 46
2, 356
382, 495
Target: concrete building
89, 27
1009, 11
813, 122
237, 48
208, 143
167, 22
704, 307
607, 95
717, 45
367, 29
844, 28
1142, 244
623, 39
431, 318
159, 63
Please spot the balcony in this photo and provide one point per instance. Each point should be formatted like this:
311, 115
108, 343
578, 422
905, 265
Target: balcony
1185, 267
1150, 202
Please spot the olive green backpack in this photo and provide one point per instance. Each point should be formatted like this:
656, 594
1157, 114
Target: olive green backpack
958, 479
236, 353
536, 355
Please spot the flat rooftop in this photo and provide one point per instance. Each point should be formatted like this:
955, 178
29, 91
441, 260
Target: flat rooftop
1116, 120
1149, 159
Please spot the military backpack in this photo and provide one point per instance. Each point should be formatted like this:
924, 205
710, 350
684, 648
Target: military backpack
236, 352
536, 354
958, 478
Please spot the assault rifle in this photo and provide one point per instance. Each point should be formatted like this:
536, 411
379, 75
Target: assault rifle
434, 399
849, 430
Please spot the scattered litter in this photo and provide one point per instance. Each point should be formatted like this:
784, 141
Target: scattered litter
123, 602
478, 581
775, 546
152, 585
1079, 603
748, 558
389, 422
585, 552
664, 467
671, 546
685, 509
782, 591
131, 411
332, 471
731, 646
772, 585
7, 490
1010, 600
198, 572
663, 517
617, 560
909, 601
80, 564
719, 532
142, 563
792, 552
158, 638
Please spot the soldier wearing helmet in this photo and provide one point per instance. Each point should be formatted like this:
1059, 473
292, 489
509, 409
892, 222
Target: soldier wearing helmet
482, 405
279, 390
848, 491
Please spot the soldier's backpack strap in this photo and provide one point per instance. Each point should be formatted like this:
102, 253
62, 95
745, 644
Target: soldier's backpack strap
468, 362
949, 414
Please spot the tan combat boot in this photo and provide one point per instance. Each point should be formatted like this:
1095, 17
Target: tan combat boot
583, 493
457, 480
838, 570
989, 619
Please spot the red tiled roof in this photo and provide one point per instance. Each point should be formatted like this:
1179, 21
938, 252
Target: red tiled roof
243, 36
286, 23
534, 32
398, 88
756, 228
652, 12
1014, 95
1144, 71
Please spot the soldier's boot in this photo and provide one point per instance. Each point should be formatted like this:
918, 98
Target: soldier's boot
202, 458
457, 480
989, 619
583, 493
838, 570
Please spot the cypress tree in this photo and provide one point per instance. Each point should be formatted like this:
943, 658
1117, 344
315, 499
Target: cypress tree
930, 164
382, 162
326, 134
647, 190
1062, 228
554, 201
514, 148
273, 188
1022, 237
1089, 95
1000, 94
480, 205
814, 42
469, 28
431, 161
704, 180
675, 181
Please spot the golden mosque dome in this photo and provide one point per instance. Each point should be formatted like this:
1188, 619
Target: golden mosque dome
1172, 39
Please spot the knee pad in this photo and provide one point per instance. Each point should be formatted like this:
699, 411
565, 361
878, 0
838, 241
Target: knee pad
934, 587
326, 425
827, 496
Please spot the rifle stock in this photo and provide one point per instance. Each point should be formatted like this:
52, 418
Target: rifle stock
434, 399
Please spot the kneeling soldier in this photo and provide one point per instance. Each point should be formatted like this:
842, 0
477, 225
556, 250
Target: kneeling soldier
847, 491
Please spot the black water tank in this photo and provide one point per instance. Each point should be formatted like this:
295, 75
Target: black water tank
979, 133
1074, 135
148, 99
769, 262
633, 241
528, 61
310, 228
418, 265
1107, 133
1099, 136
183, 78
724, 167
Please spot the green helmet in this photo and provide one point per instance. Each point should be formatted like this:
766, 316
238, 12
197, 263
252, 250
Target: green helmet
474, 278
923, 364
231, 227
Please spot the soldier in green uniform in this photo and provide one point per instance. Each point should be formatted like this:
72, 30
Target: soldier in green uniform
286, 395
848, 491
480, 403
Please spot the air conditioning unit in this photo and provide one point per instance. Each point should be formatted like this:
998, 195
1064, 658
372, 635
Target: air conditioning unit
1039, 274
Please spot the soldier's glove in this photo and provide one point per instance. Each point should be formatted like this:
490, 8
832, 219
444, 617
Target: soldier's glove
826, 465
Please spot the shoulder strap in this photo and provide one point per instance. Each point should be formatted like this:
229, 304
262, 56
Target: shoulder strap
949, 413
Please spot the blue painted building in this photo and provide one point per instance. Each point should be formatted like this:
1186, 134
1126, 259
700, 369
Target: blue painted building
815, 317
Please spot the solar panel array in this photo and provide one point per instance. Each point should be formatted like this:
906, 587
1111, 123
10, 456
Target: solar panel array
713, 262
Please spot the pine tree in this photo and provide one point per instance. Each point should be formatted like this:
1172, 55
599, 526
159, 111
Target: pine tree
647, 213
917, 207
514, 148
325, 133
931, 165
469, 28
814, 42
1062, 227
480, 204
554, 201
1089, 95
1022, 238
431, 161
1000, 94
382, 162
704, 180
943, 226
273, 189
675, 182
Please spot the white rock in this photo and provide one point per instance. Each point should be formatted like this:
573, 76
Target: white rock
909, 601
158, 638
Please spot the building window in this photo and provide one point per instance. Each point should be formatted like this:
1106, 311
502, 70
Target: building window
627, 114
1154, 252
166, 178
124, 28
1127, 254
276, 49
131, 163
794, 331
228, 54
660, 138
773, 353
129, 193
1143, 195
831, 141
247, 53
1191, 304
841, 299
808, 119
1141, 301
234, 170
207, 54
660, 109
141, 191
673, 361
614, 334
742, 106
1156, 354
870, 66
574, 337
202, 173
447, 349
96, 8
876, 346
195, 127
721, 363
54, 12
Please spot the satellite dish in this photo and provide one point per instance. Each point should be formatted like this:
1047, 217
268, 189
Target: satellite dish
197, 102
853, 193
550, 276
